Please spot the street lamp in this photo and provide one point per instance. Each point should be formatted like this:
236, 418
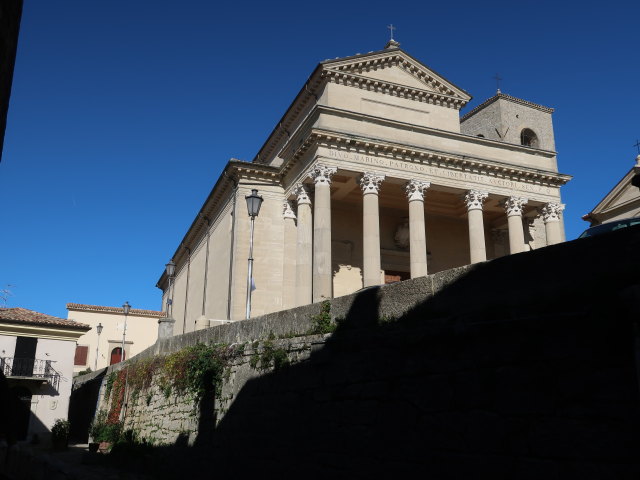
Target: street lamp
99, 331
171, 269
125, 308
254, 201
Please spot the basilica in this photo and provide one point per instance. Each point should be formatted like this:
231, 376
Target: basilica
371, 176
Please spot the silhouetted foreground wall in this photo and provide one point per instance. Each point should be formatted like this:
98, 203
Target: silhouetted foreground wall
524, 367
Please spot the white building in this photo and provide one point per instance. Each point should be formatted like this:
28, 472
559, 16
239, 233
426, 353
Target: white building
98, 351
36, 356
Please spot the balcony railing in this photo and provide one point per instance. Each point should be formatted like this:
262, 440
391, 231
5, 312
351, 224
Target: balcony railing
31, 369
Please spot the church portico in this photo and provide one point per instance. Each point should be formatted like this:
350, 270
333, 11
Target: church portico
385, 227
371, 177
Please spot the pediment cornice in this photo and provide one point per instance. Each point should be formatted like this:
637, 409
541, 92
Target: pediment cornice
366, 146
434, 83
395, 89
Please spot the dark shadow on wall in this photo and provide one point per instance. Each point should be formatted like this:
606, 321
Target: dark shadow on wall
82, 407
523, 369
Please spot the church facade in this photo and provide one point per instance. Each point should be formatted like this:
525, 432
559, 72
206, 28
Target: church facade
371, 176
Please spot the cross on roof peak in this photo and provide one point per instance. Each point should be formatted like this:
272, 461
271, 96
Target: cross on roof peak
391, 43
497, 78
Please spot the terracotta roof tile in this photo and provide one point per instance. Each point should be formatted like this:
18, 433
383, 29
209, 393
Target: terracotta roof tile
22, 315
104, 309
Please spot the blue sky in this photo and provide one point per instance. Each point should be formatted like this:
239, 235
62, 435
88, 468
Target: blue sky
123, 114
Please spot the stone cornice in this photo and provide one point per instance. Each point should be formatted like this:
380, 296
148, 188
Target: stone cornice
319, 137
394, 89
398, 57
504, 96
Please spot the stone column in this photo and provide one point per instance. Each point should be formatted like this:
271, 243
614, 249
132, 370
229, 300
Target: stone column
304, 252
513, 207
551, 216
289, 268
417, 231
370, 184
477, 248
322, 271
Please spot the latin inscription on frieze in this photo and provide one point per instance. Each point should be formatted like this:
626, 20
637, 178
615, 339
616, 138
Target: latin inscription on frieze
444, 173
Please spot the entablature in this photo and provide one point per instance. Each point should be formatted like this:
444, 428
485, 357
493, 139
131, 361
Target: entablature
416, 159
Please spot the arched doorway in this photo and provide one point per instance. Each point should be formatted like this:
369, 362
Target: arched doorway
115, 355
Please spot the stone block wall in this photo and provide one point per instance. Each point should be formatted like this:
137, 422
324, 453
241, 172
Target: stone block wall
521, 367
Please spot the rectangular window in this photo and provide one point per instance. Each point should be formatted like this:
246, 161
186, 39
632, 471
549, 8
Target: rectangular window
81, 355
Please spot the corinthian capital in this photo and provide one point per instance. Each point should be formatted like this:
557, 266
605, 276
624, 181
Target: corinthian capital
514, 205
302, 194
551, 212
321, 174
474, 199
415, 189
287, 211
370, 182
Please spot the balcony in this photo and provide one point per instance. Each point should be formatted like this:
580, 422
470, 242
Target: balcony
30, 369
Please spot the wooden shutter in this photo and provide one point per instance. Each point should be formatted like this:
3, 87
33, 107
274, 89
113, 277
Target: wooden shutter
81, 355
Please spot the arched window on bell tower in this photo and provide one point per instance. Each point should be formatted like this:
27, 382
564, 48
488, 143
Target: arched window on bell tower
528, 138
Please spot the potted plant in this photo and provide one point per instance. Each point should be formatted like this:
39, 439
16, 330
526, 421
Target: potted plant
60, 434
96, 430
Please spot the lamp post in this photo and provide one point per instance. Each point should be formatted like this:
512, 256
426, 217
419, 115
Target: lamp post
171, 270
254, 201
125, 308
99, 331
165, 324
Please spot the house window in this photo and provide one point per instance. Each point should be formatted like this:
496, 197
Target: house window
116, 355
528, 138
81, 355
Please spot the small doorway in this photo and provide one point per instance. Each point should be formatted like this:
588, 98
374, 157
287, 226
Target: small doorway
116, 355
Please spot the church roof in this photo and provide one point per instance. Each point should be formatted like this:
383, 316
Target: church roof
31, 317
509, 98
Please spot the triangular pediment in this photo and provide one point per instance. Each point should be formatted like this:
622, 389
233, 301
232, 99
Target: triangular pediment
396, 67
622, 201
622, 194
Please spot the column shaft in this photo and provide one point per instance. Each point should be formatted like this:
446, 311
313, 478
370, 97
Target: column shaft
304, 254
516, 234
370, 240
289, 272
322, 243
417, 239
477, 247
552, 229
513, 207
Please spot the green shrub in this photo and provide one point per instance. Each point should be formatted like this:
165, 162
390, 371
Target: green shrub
60, 429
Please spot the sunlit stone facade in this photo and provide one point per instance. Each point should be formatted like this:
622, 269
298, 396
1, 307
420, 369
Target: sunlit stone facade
371, 176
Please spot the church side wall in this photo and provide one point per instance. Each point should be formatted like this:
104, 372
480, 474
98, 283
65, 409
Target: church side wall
196, 284
268, 252
179, 295
220, 244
